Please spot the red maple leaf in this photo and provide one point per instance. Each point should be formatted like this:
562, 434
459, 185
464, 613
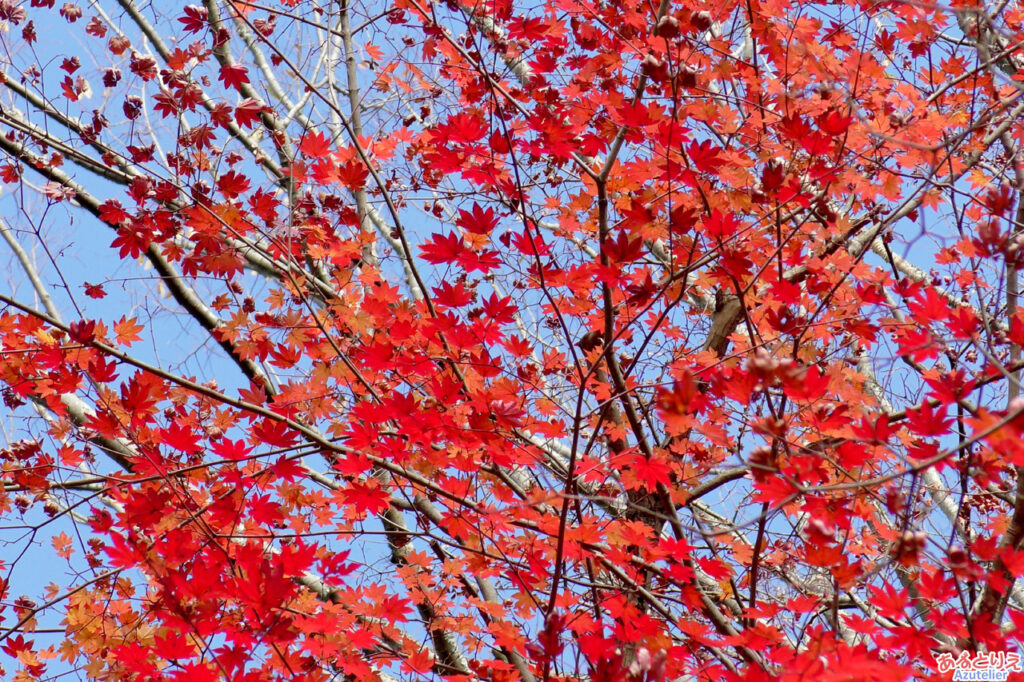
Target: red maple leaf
683, 398
230, 449
248, 111
140, 395
442, 248
625, 248
16, 644
891, 602
452, 296
720, 225
929, 420
705, 156
102, 371
834, 123
94, 290
420, 662
233, 76
315, 144
181, 438
232, 183
352, 174
82, 331
70, 88
195, 19
273, 433
918, 344
875, 430
477, 220
808, 385
651, 471
366, 496
484, 261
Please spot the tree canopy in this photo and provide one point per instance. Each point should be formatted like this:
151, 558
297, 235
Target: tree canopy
504, 340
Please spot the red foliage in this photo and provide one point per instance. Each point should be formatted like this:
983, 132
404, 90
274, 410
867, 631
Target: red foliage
607, 341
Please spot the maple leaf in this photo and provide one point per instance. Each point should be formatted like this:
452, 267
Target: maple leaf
963, 322
477, 220
928, 421
352, 174
233, 76
315, 144
72, 89
420, 662
499, 310
929, 305
452, 296
181, 438
195, 19
287, 468
273, 433
393, 609
366, 496
705, 156
638, 114
132, 241
230, 449
935, 586
890, 602
232, 183
265, 511
834, 123
683, 398
139, 396
82, 331
465, 126
126, 331
16, 644
484, 261
141, 154
102, 370
442, 248
950, 387
651, 472
507, 413
174, 645
625, 248
817, 143
720, 226
94, 290
874, 430
248, 111
809, 385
